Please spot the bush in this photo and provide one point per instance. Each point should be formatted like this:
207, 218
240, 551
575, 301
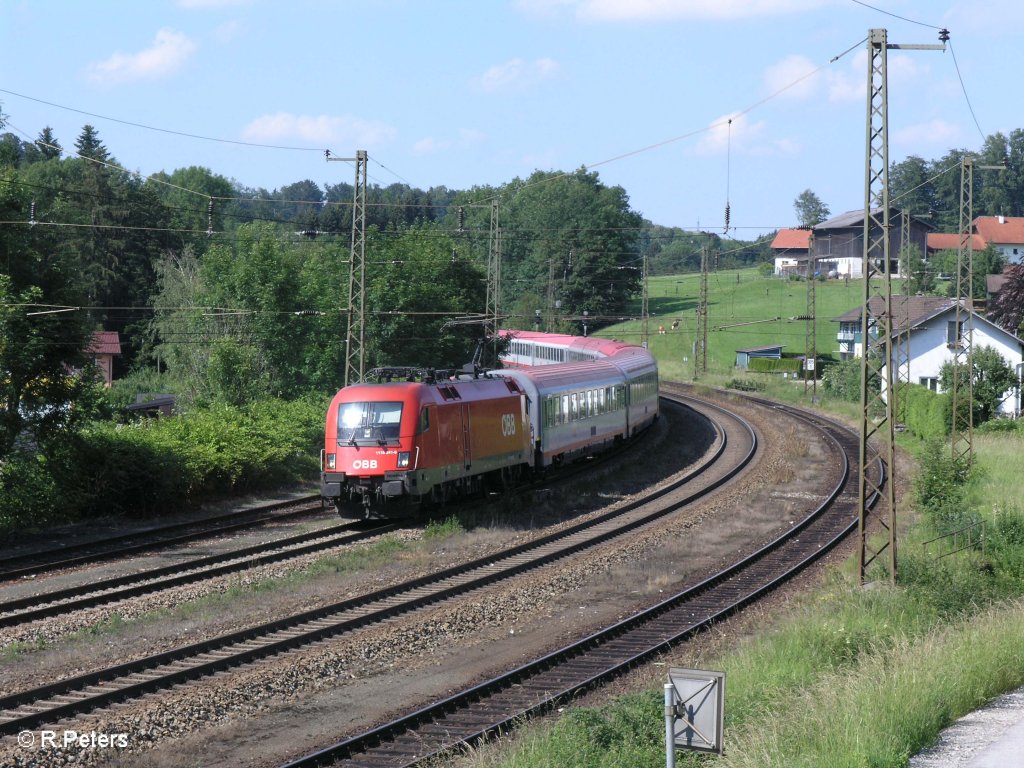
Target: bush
771, 365
148, 467
746, 385
842, 380
999, 426
939, 487
928, 414
29, 497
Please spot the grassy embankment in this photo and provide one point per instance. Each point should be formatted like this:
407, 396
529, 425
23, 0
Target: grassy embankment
844, 676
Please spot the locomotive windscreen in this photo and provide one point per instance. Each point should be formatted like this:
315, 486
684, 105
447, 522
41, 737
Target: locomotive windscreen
368, 421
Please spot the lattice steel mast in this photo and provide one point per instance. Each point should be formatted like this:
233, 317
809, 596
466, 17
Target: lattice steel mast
962, 428
492, 311
700, 351
810, 331
877, 392
644, 306
356, 331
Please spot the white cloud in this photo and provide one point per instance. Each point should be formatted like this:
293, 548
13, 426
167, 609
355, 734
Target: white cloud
738, 135
850, 83
319, 129
794, 77
937, 133
516, 74
429, 146
659, 10
168, 53
228, 32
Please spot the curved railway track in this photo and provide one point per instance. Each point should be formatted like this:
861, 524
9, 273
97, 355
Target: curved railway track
58, 602
47, 704
496, 705
29, 564
41, 605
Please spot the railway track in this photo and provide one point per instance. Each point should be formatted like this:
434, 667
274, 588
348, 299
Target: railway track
47, 704
29, 564
107, 591
497, 704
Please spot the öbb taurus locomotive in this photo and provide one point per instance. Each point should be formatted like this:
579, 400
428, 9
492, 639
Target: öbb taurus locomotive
392, 447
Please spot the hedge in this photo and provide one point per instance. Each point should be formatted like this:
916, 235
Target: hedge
927, 414
154, 466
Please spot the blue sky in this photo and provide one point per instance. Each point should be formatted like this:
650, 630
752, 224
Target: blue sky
480, 92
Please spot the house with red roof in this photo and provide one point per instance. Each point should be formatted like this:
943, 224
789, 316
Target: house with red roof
950, 241
790, 250
838, 244
104, 345
1005, 234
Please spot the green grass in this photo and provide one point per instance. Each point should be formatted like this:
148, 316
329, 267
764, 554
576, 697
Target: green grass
739, 302
846, 676
443, 529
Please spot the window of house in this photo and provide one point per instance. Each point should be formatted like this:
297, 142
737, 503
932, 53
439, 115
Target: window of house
953, 331
929, 381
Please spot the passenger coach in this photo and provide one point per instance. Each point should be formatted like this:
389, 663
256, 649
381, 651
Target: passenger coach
585, 393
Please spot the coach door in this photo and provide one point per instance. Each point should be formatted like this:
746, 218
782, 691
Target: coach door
467, 454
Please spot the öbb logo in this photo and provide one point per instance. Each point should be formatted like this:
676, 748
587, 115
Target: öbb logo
364, 464
508, 424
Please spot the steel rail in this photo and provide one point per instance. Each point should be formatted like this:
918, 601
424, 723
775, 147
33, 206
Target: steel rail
93, 690
498, 704
59, 602
19, 566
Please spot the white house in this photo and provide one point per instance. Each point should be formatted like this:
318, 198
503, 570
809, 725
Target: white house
790, 248
1005, 234
933, 339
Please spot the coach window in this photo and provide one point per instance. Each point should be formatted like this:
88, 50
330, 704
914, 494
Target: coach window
590, 402
572, 407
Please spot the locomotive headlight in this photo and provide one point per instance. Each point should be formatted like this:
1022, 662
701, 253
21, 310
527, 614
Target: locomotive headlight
330, 461
403, 460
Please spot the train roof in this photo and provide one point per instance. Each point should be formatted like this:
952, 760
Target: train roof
583, 372
439, 391
599, 346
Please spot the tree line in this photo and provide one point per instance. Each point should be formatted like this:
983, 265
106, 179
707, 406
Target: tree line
234, 293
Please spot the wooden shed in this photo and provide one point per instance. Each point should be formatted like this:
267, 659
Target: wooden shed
104, 345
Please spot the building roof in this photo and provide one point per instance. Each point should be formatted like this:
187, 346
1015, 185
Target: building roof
792, 239
1000, 230
907, 310
105, 343
950, 241
765, 348
995, 283
856, 219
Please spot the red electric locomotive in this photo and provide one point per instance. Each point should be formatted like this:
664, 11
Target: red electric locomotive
392, 446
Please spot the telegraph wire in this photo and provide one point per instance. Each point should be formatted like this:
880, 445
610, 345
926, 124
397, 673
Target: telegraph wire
895, 16
964, 89
162, 130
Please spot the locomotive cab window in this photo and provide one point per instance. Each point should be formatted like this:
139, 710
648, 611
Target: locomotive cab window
424, 424
368, 421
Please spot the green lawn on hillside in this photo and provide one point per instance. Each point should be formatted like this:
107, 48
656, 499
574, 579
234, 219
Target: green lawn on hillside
744, 310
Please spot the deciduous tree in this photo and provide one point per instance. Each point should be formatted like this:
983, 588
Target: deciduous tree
810, 210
